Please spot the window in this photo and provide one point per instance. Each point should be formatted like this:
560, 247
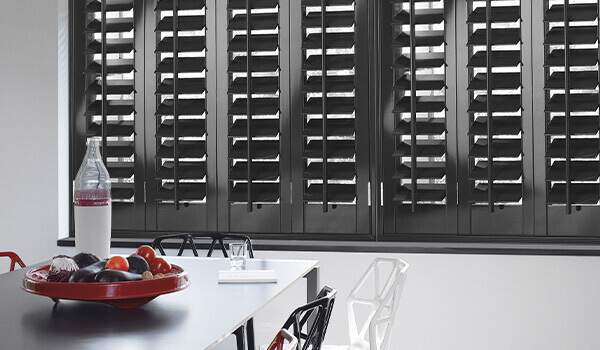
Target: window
343, 119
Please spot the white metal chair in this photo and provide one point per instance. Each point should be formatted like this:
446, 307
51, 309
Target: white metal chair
374, 332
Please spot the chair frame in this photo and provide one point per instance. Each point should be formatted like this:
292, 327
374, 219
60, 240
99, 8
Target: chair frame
188, 240
14, 259
317, 314
378, 324
278, 342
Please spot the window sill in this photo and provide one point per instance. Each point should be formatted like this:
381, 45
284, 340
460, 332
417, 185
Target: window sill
391, 247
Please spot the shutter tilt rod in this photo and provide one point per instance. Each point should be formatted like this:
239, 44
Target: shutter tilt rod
598, 33
490, 112
324, 97
176, 193
567, 107
413, 108
249, 103
104, 73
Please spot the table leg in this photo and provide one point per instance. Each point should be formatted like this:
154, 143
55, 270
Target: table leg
239, 338
250, 334
312, 284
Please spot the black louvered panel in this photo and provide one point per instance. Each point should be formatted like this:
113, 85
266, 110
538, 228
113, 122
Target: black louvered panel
187, 170
122, 192
180, 101
426, 170
424, 193
580, 171
329, 85
419, 75
123, 128
502, 171
266, 171
572, 101
502, 126
110, 88
495, 106
254, 105
423, 148
189, 192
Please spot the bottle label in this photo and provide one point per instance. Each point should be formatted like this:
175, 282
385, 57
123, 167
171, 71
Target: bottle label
92, 202
92, 198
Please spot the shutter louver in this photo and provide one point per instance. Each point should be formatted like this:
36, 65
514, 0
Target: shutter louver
181, 101
254, 112
419, 89
495, 110
572, 101
110, 93
329, 111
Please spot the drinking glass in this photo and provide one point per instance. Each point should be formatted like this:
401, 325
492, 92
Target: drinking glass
237, 256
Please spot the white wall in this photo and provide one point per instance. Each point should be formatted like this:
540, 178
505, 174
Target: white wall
29, 106
450, 301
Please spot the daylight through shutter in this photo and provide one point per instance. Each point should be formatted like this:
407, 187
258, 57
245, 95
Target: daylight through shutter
571, 82
419, 86
495, 110
329, 96
109, 81
181, 101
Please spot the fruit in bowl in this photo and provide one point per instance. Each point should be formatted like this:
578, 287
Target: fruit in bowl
88, 268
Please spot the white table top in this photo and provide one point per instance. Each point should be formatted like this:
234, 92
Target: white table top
198, 317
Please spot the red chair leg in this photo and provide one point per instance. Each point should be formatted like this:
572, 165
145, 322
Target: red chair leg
14, 259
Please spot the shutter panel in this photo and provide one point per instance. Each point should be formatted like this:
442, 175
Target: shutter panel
254, 113
495, 110
251, 63
572, 101
181, 103
109, 90
415, 126
329, 102
329, 56
420, 104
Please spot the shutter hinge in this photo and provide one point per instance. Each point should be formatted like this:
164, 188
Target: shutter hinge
291, 192
144, 191
381, 193
369, 194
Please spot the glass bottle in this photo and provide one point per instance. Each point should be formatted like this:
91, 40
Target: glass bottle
92, 204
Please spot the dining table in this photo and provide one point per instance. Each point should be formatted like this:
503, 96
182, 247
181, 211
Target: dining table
197, 317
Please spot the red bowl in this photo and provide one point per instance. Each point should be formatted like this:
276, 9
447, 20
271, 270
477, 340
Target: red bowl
124, 295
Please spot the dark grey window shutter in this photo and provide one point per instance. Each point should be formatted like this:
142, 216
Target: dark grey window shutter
254, 106
572, 101
109, 99
419, 66
495, 110
329, 102
181, 102
110, 89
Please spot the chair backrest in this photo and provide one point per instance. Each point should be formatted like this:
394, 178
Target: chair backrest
279, 342
381, 306
14, 259
315, 316
188, 240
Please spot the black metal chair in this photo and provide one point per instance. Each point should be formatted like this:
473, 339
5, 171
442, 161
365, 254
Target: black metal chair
315, 316
189, 240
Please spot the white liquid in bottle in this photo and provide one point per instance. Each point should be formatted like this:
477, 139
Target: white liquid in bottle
92, 229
